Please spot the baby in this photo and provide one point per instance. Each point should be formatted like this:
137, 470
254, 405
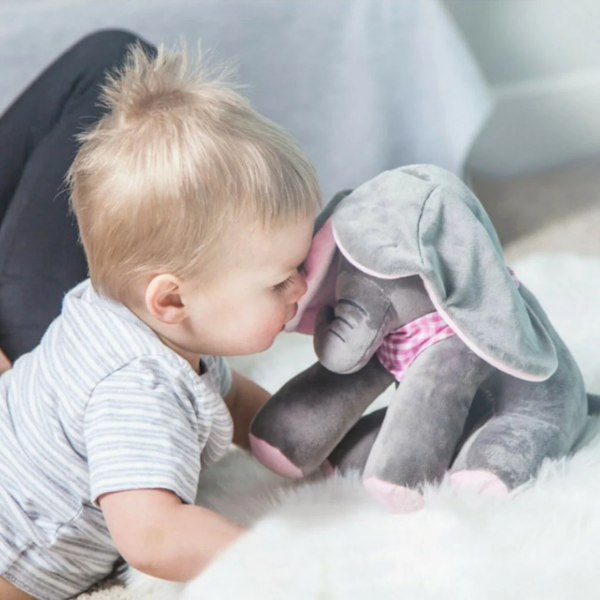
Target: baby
194, 212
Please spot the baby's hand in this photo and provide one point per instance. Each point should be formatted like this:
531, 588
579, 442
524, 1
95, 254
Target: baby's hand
157, 534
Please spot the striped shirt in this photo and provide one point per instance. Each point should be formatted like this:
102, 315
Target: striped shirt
101, 405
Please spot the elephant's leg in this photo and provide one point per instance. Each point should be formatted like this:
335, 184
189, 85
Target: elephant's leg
510, 447
352, 453
534, 421
299, 426
424, 422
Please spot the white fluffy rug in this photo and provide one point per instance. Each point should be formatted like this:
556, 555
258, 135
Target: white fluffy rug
328, 540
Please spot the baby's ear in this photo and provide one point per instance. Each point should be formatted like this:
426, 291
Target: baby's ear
163, 299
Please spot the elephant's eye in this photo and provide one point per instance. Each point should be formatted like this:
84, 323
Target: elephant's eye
284, 285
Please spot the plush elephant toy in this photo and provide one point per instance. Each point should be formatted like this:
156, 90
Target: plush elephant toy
407, 283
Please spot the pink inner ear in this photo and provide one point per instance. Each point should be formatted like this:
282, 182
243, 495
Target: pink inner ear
317, 267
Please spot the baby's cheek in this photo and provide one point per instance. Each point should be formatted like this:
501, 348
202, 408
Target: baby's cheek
273, 318
264, 334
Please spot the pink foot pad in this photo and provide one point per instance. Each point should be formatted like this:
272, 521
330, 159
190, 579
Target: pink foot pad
273, 459
397, 498
482, 482
327, 469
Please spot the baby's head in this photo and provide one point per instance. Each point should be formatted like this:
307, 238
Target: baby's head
193, 208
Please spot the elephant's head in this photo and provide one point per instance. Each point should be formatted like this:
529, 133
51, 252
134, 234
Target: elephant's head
367, 308
376, 251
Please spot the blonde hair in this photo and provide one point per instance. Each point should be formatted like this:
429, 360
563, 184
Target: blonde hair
178, 157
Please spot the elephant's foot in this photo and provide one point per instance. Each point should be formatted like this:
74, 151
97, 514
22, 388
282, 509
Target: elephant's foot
397, 498
274, 459
327, 469
481, 482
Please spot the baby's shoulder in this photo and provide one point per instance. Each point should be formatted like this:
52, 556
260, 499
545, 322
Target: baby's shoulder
100, 338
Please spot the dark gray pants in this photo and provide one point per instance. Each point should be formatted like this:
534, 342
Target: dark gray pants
40, 257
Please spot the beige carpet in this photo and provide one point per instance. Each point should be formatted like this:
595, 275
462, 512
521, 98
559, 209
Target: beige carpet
554, 211
578, 233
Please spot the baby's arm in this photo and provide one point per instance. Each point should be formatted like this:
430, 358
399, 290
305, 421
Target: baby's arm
144, 435
158, 534
243, 401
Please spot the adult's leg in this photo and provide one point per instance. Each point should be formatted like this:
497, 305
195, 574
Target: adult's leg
40, 257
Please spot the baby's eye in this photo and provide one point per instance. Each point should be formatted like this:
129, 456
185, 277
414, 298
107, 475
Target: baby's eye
284, 285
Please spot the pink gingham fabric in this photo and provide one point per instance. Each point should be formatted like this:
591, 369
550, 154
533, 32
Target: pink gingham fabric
402, 346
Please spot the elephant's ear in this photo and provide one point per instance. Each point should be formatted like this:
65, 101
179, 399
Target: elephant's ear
422, 220
320, 271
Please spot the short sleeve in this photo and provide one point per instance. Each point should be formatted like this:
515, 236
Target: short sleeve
141, 431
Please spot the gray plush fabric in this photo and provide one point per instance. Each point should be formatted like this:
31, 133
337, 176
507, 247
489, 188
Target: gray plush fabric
414, 240
311, 413
422, 220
